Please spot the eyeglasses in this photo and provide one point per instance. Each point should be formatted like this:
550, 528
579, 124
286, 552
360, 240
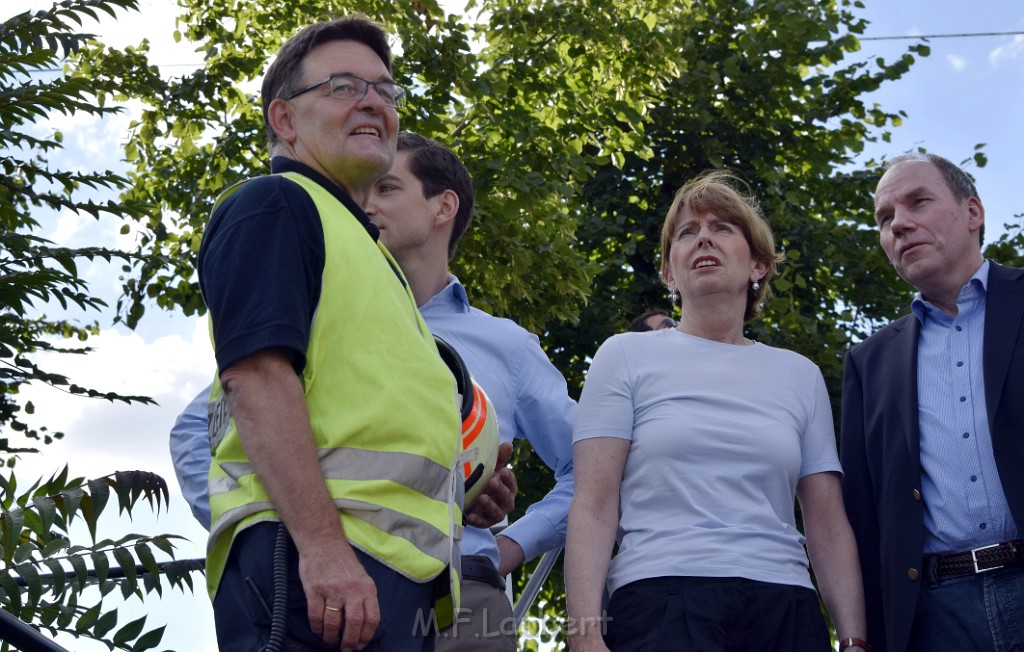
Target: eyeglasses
348, 87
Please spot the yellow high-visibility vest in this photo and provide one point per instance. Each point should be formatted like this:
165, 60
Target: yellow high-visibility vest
382, 410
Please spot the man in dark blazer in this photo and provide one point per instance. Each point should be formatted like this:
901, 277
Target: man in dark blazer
933, 427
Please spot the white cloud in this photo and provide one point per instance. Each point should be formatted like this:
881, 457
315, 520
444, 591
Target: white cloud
154, 21
957, 63
88, 133
1009, 51
104, 437
103, 138
67, 227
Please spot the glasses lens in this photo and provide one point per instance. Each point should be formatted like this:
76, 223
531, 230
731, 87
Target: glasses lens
344, 87
386, 92
392, 94
347, 88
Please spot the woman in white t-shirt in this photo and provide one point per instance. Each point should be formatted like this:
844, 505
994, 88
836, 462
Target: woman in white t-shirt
690, 446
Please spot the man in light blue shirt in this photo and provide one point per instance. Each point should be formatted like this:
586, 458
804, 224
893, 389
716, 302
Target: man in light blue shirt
422, 208
933, 427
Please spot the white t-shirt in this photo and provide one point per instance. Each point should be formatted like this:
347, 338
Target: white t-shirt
720, 434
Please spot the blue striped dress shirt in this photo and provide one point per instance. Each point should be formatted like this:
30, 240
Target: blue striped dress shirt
965, 507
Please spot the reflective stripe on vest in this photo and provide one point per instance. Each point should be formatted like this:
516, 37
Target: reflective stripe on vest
350, 464
421, 475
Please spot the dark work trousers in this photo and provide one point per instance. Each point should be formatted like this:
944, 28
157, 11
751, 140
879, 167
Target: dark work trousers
243, 620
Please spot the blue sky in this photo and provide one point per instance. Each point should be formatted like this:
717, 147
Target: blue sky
969, 91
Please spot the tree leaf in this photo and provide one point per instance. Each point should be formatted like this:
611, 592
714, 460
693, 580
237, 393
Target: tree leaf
129, 632
81, 571
47, 510
127, 564
150, 639
69, 502
101, 565
88, 619
30, 574
57, 574
13, 522
12, 593
146, 558
105, 623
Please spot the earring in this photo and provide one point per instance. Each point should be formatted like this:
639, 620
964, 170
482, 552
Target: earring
755, 286
673, 297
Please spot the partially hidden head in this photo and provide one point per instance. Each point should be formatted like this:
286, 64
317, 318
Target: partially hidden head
438, 169
651, 320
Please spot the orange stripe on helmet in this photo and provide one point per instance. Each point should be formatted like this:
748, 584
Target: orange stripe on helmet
473, 425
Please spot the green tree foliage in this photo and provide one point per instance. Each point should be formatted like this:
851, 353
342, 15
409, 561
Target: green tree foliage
578, 121
44, 576
765, 93
1009, 249
44, 572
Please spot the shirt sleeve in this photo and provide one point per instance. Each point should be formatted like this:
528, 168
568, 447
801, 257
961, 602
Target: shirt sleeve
606, 404
818, 445
260, 267
190, 453
544, 416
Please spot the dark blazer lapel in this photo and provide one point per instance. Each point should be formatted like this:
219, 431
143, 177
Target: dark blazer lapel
905, 371
1004, 312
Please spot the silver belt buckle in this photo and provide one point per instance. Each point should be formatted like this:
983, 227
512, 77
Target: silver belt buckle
974, 558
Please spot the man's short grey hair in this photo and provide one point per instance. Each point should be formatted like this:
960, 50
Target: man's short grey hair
958, 181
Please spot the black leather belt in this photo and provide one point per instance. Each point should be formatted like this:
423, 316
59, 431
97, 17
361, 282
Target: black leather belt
480, 569
979, 560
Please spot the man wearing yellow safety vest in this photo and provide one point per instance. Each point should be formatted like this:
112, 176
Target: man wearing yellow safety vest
332, 412
423, 207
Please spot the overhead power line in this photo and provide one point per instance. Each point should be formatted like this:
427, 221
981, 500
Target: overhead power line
921, 36
861, 38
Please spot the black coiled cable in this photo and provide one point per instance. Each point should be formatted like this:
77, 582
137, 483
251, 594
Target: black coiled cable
279, 602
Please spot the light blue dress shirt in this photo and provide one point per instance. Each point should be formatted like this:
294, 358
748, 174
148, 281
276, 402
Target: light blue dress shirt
965, 506
529, 396
190, 452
